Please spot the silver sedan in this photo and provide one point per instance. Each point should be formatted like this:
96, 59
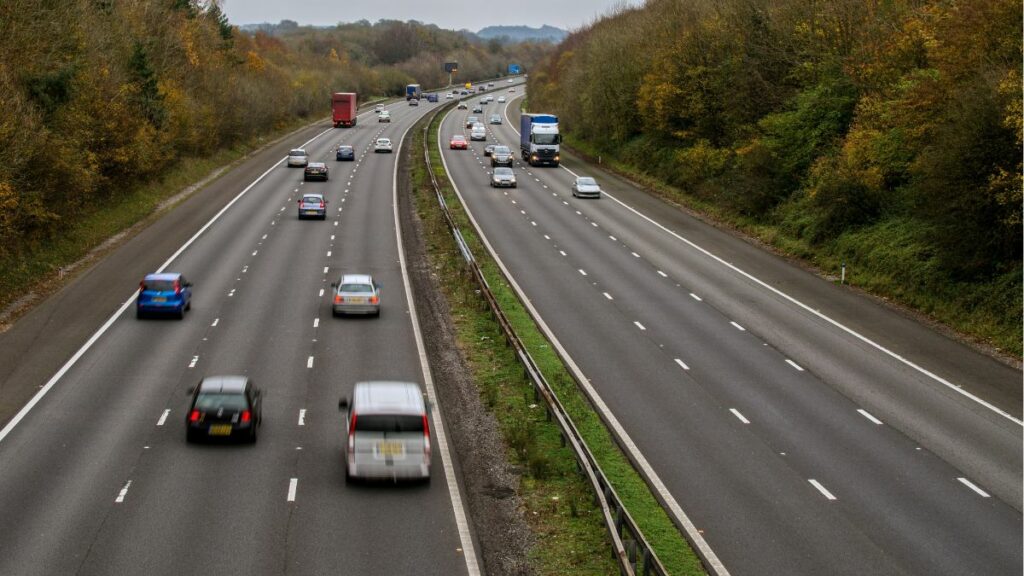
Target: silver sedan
356, 294
586, 187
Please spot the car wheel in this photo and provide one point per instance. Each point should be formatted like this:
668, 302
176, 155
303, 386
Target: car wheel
377, 313
191, 437
189, 305
252, 436
139, 313
181, 313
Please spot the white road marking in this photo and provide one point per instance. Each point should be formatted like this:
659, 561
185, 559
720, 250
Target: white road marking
264, 236
662, 274
562, 252
302, 417
123, 492
533, 222
546, 237
580, 213
738, 327
794, 365
335, 222
255, 252
607, 295
635, 255
613, 238
215, 321
639, 325
309, 362
564, 202
195, 360
245, 269
332, 237
865, 414
293, 486
328, 253
522, 212
695, 297
232, 293
594, 224
316, 322
737, 414
163, 417
582, 271
326, 268
821, 489
321, 293
682, 364
974, 487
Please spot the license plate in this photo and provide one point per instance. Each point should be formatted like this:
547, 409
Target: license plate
159, 299
390, 449
311, 212
220, 430
357, 300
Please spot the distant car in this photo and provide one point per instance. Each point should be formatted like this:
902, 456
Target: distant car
378, 108
449, 96
503, 177
462, 106
315, 170
224, 407
431, 97
356, 294
490, 84
345, 152
297, 157
312, 206
586, 187
414, 101
510, 80
489, 149
165, 293
458, 142
388, 432
382, 145
385, 116
495, 119
478, 132
502, 99
478, 109
502, 156
471, 120
511, 89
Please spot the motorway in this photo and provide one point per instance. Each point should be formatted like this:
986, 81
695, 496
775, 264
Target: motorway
96, 476
800, 427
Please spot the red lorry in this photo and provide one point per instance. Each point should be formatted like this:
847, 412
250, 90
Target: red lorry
343, 105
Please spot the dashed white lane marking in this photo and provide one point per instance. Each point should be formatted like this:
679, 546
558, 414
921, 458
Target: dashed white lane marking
662, 274
293, 485
564, 202
215, 321
326, 268
264, 237
332, 237
639, 325
695, 297
335, 222
737, 414
302, 417
607, 295
974, 487
232, 293
635, 255
255, 252
316, 322
583, 272
328, 253
594, 224
579, 213
245, 269
682, 364
309, 362
123, 492
613, 238
195, 360
163, 417
821, 488
794, 365
738, 327
321, 293
867, 415
523, 212
533, 222
562, 252
546, 237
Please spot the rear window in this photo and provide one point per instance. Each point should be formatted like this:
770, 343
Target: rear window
297, 153
389, 423
208, 401
160, 285
311, 200
358, 288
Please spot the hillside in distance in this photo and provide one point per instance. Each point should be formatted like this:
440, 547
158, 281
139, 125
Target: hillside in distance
523, 33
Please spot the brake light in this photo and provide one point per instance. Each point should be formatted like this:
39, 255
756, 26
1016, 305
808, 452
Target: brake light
194, 416
246, 416
426, 438
142, 286
374, 299
177, 287
338, 299
352, 440
321, 203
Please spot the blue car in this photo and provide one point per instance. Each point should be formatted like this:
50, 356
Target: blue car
345, 152
167, 293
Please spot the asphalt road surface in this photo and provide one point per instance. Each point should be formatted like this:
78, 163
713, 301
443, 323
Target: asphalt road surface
802, 428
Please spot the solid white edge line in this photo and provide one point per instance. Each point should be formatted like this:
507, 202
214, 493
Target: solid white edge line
163, 417
867, 415
974, 487
794, 365
821, 489
807, 308
714, 564
113, 317
293, 486
458, 508
737, 414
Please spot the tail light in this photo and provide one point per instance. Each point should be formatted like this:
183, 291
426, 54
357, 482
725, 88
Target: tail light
142, 285
374, 299
426, 439
352, 439
194, 416
322, 204
338, 299
177, 287
246, 416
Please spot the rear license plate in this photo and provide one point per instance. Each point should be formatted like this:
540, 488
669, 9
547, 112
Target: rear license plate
159, 299
310, 212
357, 300
390, 449
220, 430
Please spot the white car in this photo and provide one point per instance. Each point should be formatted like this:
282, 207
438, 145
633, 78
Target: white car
510, 80
478, 132
382, 145
385, 116
502, 99
448, 96
298, 157
378, 108
586, 187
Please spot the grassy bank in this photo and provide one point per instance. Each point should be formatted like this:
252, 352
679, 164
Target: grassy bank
549, 469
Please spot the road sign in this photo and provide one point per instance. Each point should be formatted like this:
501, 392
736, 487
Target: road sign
451, 67
513, 69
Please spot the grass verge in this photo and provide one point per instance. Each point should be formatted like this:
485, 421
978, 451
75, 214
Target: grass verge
533, 441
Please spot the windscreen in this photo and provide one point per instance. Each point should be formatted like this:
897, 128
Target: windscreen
356, 288
160, 285
297, 153
311, 200
389, 423
545, 138
209, 401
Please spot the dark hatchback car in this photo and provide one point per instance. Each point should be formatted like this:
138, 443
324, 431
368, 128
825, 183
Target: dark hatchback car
501, 156
345, 152
315, 170
167, 293
224, 407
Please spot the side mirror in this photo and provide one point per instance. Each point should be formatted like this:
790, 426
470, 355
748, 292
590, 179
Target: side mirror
188, 284
334, 284
191, 390
342, 403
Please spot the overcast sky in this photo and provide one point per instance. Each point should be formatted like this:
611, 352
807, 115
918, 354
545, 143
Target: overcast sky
453, 14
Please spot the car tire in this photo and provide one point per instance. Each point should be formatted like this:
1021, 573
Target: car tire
189, 305
191, 437
377, 313
252, 436
181, 313
139, 313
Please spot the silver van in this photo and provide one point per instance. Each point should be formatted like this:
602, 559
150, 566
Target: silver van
388, 432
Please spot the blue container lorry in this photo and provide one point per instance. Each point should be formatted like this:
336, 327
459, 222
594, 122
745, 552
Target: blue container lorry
413, 91
539, 139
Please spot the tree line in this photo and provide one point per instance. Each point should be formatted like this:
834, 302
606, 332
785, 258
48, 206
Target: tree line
98, 95
878, 132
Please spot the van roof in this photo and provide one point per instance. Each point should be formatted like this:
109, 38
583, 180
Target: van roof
387, 397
